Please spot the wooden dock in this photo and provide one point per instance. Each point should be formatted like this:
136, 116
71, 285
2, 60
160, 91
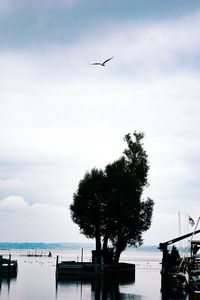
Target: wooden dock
87, 270
8, 267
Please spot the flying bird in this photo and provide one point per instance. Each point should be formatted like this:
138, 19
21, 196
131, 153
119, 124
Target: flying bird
103, 63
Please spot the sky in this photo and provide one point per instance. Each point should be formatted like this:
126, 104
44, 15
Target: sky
60, 116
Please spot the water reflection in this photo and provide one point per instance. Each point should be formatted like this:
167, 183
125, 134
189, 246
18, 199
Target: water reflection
106, 289
180, 295
175, 295
94, 289
5, 283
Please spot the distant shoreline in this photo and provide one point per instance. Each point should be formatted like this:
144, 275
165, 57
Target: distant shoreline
64, 246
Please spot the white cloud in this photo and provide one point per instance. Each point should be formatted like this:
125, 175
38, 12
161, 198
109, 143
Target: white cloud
13, 203
20, 221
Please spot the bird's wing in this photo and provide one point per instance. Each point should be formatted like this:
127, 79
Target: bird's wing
107, 60
96, 63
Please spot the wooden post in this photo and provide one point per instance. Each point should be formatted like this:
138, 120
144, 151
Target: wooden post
56, 271
1, 261
56, 261
81, 254
9, 261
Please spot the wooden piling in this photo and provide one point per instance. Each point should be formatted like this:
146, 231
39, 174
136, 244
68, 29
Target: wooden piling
81, 254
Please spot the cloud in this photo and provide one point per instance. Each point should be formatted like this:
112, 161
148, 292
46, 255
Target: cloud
147, 50
172, 46
165, 227
20, 221
61, 116
11, 5
13, 203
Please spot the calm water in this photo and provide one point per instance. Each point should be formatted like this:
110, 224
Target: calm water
36, 279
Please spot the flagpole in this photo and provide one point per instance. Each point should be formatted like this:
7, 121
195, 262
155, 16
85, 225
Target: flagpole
187, 217
186, 229
179, 227
190, 242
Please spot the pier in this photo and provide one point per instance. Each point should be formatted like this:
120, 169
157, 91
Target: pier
8, 267
180, 274
88, 270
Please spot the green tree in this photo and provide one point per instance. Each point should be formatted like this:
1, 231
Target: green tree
108, 205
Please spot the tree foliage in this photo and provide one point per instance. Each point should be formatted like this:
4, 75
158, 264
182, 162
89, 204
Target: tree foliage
87, 208
108, 205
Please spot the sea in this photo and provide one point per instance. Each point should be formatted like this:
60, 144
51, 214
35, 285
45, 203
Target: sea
36, 278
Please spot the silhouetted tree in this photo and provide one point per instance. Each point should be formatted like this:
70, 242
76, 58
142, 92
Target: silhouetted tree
128, 216
108, 206
87, 207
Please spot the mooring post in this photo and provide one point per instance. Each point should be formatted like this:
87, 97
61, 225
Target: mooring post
1, 261
9, 263
56, 261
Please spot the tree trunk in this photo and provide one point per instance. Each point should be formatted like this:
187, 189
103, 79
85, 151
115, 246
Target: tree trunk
120, 246
105, 242
117, 255
98, 245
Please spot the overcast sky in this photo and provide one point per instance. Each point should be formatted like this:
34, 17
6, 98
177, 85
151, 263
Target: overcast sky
61, 116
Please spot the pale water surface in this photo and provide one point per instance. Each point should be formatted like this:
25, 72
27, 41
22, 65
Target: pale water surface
36, 279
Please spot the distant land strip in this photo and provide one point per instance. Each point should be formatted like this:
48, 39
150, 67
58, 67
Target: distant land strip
64, 246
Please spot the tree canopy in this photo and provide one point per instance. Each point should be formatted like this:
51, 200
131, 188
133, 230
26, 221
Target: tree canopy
108, 204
